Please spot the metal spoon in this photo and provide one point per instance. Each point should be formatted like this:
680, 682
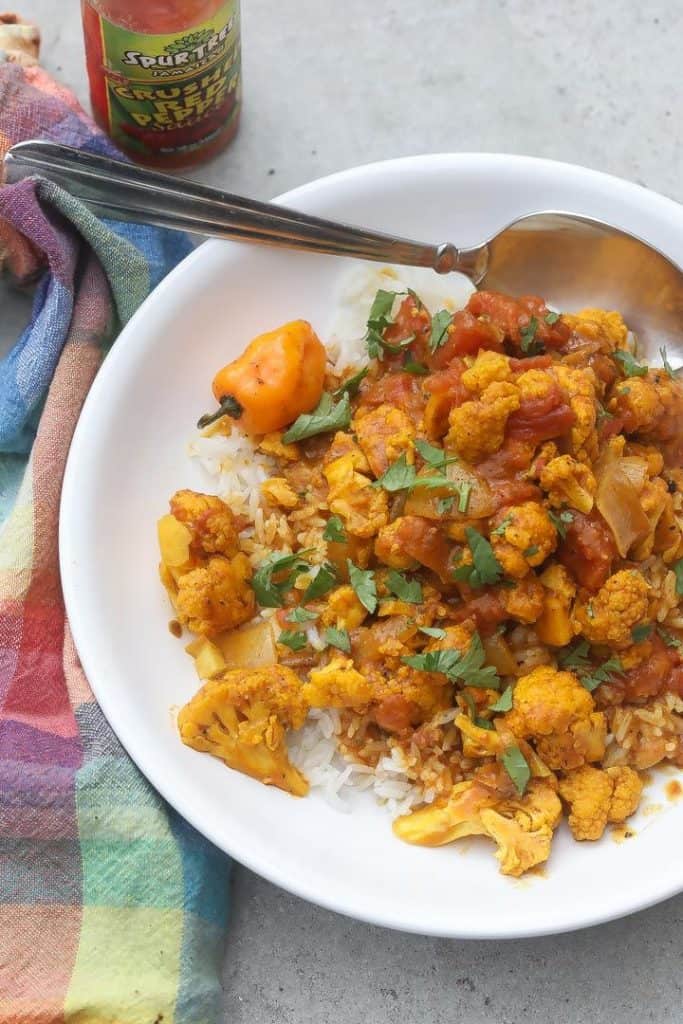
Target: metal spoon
571, 260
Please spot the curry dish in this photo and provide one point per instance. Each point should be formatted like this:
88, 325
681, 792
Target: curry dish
470, 549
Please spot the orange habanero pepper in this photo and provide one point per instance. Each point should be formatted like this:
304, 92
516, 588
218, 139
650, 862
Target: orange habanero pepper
279, 375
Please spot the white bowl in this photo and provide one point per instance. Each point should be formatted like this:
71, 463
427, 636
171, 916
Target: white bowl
128, 457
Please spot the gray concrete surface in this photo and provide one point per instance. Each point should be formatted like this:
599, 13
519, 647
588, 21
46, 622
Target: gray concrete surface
329, 85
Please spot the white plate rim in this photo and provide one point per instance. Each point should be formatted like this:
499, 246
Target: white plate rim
649, 895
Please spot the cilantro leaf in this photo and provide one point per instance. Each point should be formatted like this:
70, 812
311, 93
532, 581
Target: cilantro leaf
575, 659
641, 632
379, 316
527, 338
485, 569
669, 639
325, 417
532, 550
432, 455
444, 505
504, 702
363, 583
334, 530
464, 500
467, 667
551, 318
419, 369
351, 386
516, 766
324, 580
403, 588
294, 639
441, 321
666, 364
481, 723
561, 521
629, 365
433, 631
301, 614
398, 476
338, 638
270, 592
502, 527
678, 570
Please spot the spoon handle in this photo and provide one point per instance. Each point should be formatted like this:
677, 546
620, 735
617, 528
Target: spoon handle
124, 191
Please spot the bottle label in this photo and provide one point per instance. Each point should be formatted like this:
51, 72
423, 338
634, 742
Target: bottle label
175, 92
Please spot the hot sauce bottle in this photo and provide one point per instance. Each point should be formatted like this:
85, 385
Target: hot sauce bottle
164, 76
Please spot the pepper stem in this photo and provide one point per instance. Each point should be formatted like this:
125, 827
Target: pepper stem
228, 406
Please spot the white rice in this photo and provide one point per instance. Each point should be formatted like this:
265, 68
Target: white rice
236, 470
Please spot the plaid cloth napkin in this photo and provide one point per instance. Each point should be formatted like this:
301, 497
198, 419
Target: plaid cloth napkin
112, 908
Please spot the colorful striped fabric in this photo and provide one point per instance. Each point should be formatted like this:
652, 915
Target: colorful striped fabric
112, 908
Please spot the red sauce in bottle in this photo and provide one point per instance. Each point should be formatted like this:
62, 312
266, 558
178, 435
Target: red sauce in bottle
165, 76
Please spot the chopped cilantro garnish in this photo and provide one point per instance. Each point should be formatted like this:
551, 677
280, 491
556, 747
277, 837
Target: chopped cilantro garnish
351, 386
398, 476
301, 614
269, 591
504, 702
363, 583
527, 336
669, 639
338, 638
532, 550
481, 723
325, 579
516, 766
629, 365
678, 570
432, 455
485, 568
551, 318
403, 588
441, 321
419, 369
433, 631
334, 530
325, 417
466, 667
561, 521
464, 500
641, 632
666, 364
502, 527
444, 505
294, 639
575, 659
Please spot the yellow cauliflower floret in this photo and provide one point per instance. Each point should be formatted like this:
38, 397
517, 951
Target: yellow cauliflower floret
216, 596
534, 384
337, 685
554, 710
486, 368
343, 609
650, 406
363, 507
524, 602
390, 549
477, 428
477, 742
601, 325
554, 626
272, 444
278, 491
209, 520
526, 539
346, 444
580, 386
522, 827
241, 716
619, 605
596, 797
652, 455
384, 434
568, 482
655, 502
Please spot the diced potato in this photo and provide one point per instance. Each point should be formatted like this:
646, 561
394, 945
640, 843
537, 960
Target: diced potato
174, 541
207, 657
252, 646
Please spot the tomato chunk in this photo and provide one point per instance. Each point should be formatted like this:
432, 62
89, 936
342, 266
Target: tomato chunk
588, 550
512, 316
